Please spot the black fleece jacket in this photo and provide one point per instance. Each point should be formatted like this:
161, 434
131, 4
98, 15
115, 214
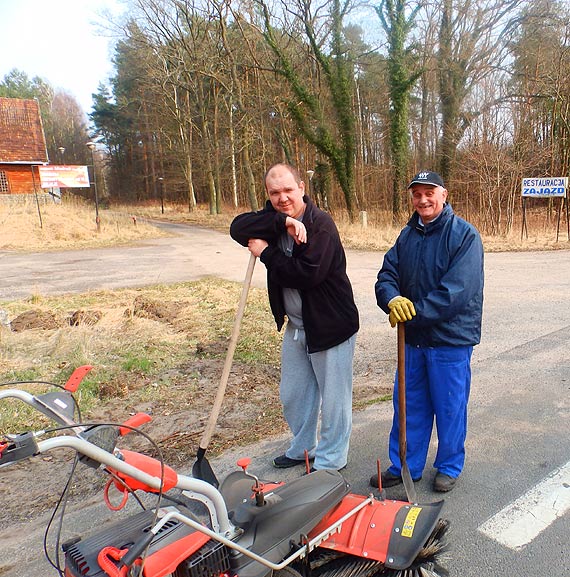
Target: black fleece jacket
317, 269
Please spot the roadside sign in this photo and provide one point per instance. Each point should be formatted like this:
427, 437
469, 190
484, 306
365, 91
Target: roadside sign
65, 176
548, 187
545, 187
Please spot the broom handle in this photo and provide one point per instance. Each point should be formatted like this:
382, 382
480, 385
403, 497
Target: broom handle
208, 432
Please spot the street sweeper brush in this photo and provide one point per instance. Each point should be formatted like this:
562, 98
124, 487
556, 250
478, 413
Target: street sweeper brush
428, 562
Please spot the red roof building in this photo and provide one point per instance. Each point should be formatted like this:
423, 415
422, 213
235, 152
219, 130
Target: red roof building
22, 146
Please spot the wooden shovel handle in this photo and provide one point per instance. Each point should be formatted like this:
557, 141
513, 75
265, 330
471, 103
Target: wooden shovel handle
209, 430
405, 470
402, 389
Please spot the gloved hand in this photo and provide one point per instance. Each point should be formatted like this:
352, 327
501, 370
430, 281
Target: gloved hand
401, 310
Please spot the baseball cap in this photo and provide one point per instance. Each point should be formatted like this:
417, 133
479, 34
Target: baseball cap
427, 177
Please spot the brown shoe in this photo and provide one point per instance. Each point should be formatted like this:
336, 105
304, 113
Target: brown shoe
388, 480
443, 483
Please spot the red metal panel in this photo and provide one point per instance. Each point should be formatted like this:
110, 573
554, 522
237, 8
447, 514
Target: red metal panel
367, 533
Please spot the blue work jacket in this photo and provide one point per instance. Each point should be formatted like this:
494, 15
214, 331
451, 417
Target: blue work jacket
439, 267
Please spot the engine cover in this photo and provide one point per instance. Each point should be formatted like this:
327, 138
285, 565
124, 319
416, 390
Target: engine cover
176, 549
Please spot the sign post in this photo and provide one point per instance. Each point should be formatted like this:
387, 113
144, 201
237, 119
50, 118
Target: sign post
550, 187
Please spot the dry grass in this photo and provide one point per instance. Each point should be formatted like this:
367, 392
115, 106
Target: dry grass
72, 225
68, 225
133, 322
144, 338
180, 213
380, 232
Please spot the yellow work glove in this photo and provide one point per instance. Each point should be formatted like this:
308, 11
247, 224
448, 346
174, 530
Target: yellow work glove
401, 310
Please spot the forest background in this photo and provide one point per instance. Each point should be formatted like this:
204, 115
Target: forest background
360, 96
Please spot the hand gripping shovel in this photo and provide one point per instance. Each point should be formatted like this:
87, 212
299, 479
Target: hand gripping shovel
202, 468
405, 471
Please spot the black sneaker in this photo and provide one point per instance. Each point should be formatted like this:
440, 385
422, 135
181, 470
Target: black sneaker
389, 480
313, 470
284, 462
443, 483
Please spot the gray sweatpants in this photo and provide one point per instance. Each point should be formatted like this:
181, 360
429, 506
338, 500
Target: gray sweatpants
312, 384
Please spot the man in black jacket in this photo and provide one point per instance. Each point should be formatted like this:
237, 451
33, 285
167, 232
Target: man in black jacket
300, 246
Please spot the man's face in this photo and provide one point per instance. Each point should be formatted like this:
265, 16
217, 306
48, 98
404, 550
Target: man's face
428, 200
284, 193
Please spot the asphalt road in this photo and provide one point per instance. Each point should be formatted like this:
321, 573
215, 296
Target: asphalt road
519, 419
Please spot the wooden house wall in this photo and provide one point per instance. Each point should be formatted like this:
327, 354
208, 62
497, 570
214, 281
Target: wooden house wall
20, 180
22, 145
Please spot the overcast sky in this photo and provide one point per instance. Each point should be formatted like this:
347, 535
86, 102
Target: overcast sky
59, 41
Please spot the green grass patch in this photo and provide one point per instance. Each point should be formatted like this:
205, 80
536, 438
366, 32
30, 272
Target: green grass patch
141, 337
372, 401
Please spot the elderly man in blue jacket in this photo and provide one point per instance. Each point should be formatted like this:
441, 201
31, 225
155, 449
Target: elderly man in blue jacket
432, 280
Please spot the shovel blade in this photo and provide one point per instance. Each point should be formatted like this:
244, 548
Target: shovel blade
408, 484
203, 470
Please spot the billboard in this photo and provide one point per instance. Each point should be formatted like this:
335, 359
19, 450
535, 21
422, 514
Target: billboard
66, 176
544, 187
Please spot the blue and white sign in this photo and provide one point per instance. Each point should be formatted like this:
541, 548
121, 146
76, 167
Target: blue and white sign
545, 187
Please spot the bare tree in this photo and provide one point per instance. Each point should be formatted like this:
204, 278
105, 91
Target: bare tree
237, 97
397, 21
542, 78
330, 129
473, 41
69, 130
183, 32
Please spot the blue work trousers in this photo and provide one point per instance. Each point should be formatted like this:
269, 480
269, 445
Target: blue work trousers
438, 382
314, 384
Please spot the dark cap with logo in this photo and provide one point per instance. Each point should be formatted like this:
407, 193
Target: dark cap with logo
427, 177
